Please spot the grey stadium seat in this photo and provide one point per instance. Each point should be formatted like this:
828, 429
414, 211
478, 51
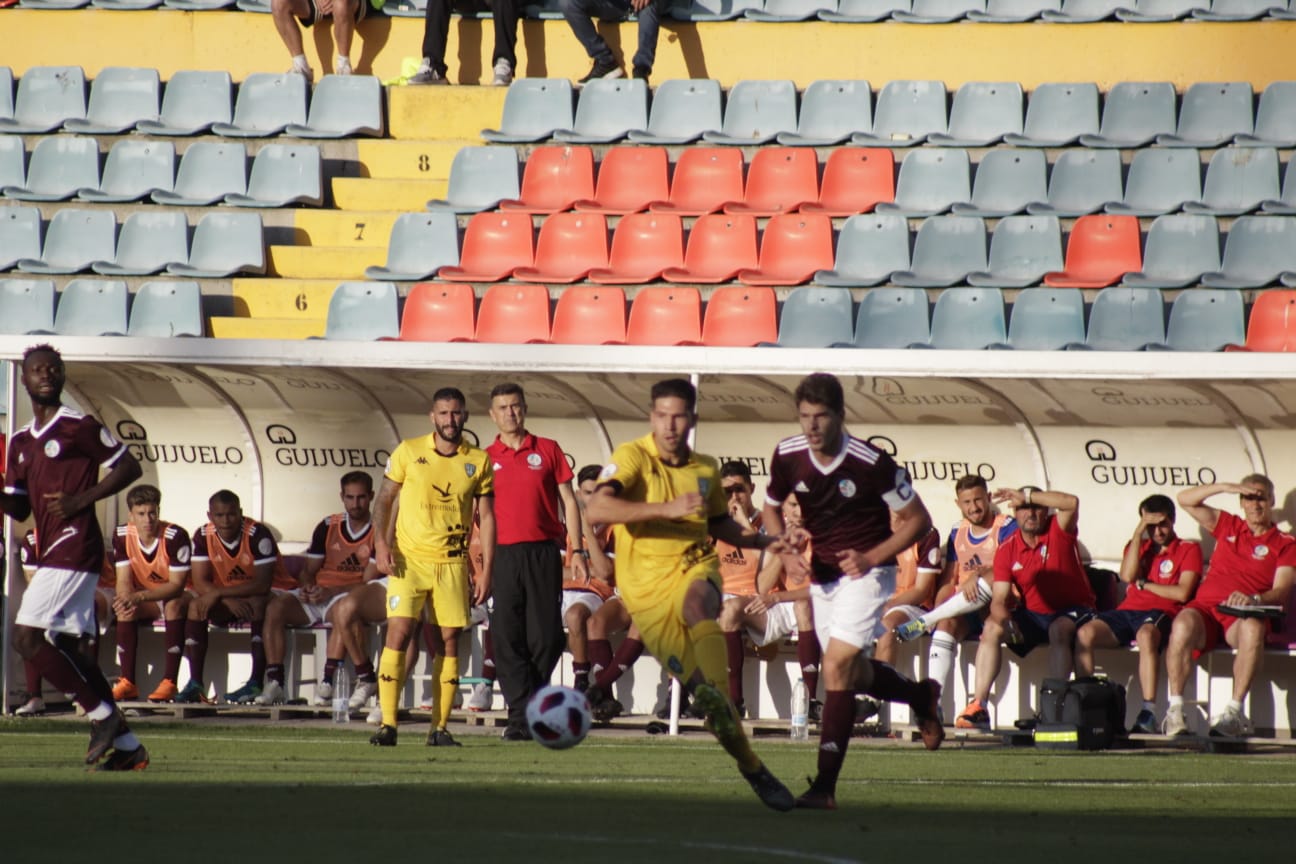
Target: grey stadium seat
939, 11
133, 170
13, 161
1014, 11
607, 110
209, 170
1134, 114
983, 113
1084, 11
1204, 320
126, 5
534, 108
1179, 249
283, 174
54, 4
164, 310
20, 235
1159, 181
1006, 182
120, 97
192, 102
790, 10
815, 318
480, 178
831, 111
1082, 182
73, 240
1022, 250
930, 182
343, 106
198, 5
420, 245
149, 241
1259, 249
714, 10
26, 306
756, 112
1212, 115
1126, 319
906, 113
224, 244
1275, 123
1057, 115
1239, 10
866, 11
1047, 319
48, 97
968, 319
1161, 10
870, 248
893, 318
363, 311
60, 165
92, 307
682, 111
946, 250
6, 93
1239, 180
1286, 203
266, 105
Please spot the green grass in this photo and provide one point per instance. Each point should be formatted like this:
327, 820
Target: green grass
263, 793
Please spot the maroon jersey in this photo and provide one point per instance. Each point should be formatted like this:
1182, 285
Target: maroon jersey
846, 504
65, 455
1164, 566
149, 568
1242, 561
1050, 576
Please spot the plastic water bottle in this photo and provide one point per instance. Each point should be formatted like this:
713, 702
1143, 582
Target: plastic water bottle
800, 729
341, 697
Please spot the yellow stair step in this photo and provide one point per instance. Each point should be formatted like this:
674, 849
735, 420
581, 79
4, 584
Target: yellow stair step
444, 113
266, 328
296, 299
324, 262
425, 159
365, 193
356, 228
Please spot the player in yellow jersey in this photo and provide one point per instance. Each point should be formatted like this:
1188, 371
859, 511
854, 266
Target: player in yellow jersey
438, 480
665, 501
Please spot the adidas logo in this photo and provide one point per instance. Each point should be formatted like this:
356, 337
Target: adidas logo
237, 573
351, 562
154, 577
801, 486
1017, 565
829, 747
422, 460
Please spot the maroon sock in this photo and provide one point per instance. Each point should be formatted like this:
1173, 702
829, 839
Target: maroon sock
890, 685
488, 655
834, 736
33, 679
365, 671
258, 654
58, 667
734, 650
600, 653
127, 648
809, 655
196, 649
175, 634
626, 654
331, 665
275, 672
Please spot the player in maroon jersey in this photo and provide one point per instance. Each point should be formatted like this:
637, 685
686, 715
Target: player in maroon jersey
848, 490
53, 473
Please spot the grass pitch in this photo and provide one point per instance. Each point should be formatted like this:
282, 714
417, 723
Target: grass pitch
254, 793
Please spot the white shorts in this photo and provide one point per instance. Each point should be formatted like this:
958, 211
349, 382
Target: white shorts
780, 622
58, 600
316, 613
588, 599
850, 610
911, 613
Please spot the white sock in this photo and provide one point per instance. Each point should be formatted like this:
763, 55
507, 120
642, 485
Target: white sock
1234, 707
1148, 705
940, 658
958, 605
102, 711
299, 61
126, 742
1176, 701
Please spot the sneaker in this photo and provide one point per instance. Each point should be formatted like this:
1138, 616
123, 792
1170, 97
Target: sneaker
427, 75
303, 70
581, 681
125, 691
815, 714
642, 72
32, 707
1175, 723
768, 788
374, 717
323, 695
516, 732
601, 69
602, 707
927, 715
272, 694
974, 716
1145, 723
103, 733
128, 760
166, 691
815, 798
1230, 724
363, 692
866, 707
245, 694
483, 695
910, 630
384, 737
503, 73
192, 694
441, 738
342, 66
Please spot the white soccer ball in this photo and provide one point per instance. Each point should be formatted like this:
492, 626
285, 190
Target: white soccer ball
559, 717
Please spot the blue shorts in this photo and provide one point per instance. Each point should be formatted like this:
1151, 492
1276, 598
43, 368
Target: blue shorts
1034, 626
1125, 623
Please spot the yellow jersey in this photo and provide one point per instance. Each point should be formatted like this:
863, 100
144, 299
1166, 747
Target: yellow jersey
647, 550
436, 498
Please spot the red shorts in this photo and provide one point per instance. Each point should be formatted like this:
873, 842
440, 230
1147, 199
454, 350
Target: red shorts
1215, 624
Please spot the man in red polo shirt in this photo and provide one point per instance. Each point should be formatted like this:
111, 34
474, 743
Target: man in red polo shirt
1042, 561
1252, 566
532, 478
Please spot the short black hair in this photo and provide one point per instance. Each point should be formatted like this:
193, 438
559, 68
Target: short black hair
587, 473
446, 394
679, 388
143, 494
42, 348
353, 477
223, 496
734, 468
821, 388
508, 388
970, 481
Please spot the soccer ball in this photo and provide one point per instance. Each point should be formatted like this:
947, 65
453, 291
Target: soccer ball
559, 717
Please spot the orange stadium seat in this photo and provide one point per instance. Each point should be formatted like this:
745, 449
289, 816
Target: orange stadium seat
719, 246
1272, 325
665, 316
570, 246
795, 247
740, 317
590, 315
514, 313
706, 178
629, 179
643, 246
495, 244
438, 313
779, 180
1100, 251
855, 179
554, 179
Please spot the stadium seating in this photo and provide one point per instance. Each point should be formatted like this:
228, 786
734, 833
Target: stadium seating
719, 246
1084, 11
92, 307
363, 312
149, 241
1272, 325
892, 318
420, 245
283, 175
790, 10
1161, 10
224, 244
342, 106
682, 112
1100, 251
1275, 121
905, 114
1212, 115
514, 313
931, 182
982, 114
1180, 248
793, 248
590, 315
1014, 11
13, 161
119, 98
939, 11
209, 171
1135, 113
1239, 10
1159, 181
73, 240
665, 316
1126, 319
865, 11
6, 92
779, 180
1047, 319
1239, 180
1259, 249
755, 113
870, 249
714, 10
815, 317
608, 109
1285, 204
1022, 250
831, 112
494, 245
1057, 115
1007, 181
569, 247
946, 251
192, 103
435, 312
740, 316
968, 319
480, 178
20, 235
59, 167
644, 245
134, 169
1202, 320
1082, 182
48, 97
26, 306
554, 179
164, 310
266, 105
705, 179
534, 109
629, 179
855, 179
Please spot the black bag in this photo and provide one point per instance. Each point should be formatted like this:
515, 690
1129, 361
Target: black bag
1084, 714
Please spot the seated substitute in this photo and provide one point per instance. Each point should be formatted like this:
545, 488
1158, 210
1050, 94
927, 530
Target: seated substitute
582, 597
152, 567
1161, 571
1042, 561
339, 561
1252, 566
346, 14
740, 571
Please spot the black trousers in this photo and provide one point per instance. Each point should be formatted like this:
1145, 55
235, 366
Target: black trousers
526, 623
436, 30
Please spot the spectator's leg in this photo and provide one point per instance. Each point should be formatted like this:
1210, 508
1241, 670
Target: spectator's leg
1148, 639
505, 14
579, 15
1061, 632
286, 14
649, 23
1187, 634
1247, 636
436, 32
345, 15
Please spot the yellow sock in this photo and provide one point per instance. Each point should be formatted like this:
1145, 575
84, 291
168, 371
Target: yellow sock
712, 660
391, 673
447, 676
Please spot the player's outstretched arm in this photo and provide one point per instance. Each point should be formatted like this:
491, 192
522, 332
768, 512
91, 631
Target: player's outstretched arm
607, 507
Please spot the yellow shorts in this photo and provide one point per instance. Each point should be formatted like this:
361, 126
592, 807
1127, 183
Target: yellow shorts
656, 605
413, 583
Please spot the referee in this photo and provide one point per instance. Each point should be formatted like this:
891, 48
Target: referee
532, 479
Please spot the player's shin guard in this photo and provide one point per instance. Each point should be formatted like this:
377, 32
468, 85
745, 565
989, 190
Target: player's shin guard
446, 672
175, 636
56, 666
834, 737
258, 653
808, 655
940, 657
391, 674
196, 648
709, 654
600, 654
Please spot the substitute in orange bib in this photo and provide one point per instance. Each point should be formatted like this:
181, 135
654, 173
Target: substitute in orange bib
739, 569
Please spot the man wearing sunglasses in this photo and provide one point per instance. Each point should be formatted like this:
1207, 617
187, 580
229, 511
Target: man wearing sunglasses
739, 571
1252, 566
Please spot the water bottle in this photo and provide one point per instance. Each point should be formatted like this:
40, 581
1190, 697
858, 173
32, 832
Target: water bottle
341, 697
800, 729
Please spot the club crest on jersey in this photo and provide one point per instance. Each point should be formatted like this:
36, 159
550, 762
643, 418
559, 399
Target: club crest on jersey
1260, 552
393, 601
470, 470
1166, 567
52, 449
534, 460
266, 546
675, 666
846, 487
182, 554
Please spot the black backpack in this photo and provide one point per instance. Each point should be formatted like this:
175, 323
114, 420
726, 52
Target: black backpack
1082, 714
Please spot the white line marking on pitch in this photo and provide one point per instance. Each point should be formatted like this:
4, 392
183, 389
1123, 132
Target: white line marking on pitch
768, 851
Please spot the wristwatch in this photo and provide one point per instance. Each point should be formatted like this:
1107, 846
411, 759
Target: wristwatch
1142, 584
